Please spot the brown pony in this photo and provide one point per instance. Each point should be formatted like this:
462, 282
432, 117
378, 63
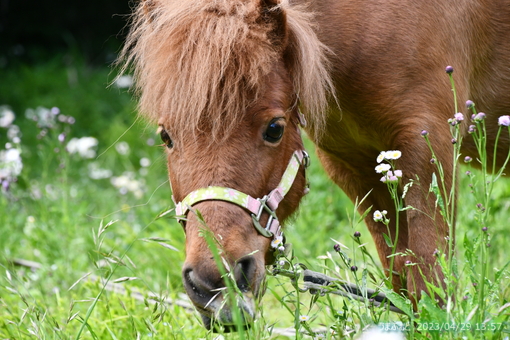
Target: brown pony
224, 79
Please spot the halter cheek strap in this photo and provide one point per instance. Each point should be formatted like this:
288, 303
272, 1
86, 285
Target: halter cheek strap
256, 206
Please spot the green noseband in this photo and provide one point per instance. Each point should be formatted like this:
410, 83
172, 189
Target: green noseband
256, 206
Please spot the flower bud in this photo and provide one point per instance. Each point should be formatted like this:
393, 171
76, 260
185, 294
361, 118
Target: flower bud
479, 117
504, 121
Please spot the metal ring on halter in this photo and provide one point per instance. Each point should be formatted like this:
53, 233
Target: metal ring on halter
306, 159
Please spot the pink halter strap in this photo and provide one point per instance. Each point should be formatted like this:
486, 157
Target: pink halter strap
256, 206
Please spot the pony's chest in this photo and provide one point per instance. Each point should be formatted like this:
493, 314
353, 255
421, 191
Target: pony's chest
352, 139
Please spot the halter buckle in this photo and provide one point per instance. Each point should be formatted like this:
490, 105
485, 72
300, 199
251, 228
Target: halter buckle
271, 220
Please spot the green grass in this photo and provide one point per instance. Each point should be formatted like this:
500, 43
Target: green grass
56, 215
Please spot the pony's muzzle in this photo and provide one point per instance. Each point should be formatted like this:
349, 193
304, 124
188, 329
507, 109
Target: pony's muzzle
218, 327
220, 304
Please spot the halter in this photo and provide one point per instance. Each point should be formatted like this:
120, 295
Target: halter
256, 206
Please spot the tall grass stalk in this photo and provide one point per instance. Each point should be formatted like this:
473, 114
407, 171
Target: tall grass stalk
231, 294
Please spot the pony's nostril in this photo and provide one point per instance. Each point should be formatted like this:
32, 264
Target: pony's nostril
202, 285
191, 283
206, 290
245, 272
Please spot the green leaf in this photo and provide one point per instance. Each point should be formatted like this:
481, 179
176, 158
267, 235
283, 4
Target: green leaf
430, 311
434, 187
388, 240
165, 213
500, 272
399, 301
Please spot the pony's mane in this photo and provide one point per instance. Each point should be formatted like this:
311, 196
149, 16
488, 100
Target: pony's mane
205, 60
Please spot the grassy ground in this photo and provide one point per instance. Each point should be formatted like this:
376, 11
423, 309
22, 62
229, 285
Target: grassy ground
65, 213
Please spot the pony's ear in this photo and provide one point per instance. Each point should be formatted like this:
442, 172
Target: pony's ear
274, 14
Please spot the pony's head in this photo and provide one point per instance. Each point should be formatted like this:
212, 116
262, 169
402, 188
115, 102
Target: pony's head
223, 79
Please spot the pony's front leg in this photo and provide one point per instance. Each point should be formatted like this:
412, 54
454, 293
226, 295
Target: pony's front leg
420, 229
357, 181
428, 232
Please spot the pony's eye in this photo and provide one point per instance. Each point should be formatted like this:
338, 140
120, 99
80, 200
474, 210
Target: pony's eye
165, 137
274, 131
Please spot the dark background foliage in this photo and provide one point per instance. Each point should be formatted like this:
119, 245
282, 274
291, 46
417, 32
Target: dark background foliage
35, 30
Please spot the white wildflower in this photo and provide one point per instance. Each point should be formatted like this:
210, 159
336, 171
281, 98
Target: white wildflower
122, 148
381, 168
13, 133
11, 155
43, 116
378, 216
95, 172
304, 318
381, 156
393, 154
11, 163
127, 183
145, 162
6, 116
124, 81
83, 146
275, 243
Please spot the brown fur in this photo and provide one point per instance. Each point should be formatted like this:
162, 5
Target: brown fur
390, 80
218, 53
215, 73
